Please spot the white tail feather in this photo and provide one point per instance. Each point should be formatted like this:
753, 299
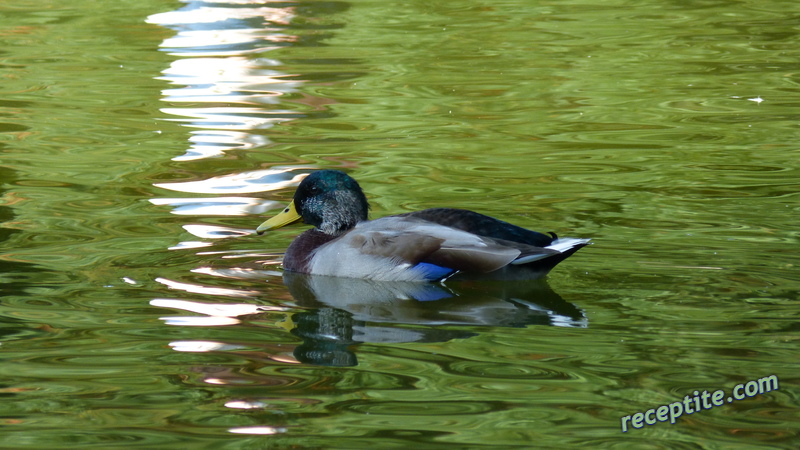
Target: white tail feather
564, 244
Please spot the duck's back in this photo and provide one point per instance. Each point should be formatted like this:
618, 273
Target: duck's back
482, 225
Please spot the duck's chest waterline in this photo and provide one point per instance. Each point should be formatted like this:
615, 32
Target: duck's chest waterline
311, 253
349, 263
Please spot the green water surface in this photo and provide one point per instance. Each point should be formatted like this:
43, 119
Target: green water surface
142, 142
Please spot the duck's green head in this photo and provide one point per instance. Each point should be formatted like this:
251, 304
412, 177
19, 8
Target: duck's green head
330, 200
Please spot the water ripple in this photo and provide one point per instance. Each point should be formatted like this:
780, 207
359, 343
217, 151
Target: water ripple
420, 408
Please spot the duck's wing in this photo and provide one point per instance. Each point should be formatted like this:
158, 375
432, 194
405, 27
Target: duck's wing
403, 248
482, 225
539, 252
415, 241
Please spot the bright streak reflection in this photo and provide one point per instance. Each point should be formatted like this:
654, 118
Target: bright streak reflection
238, 273
214, 309
208, 14
209, 143
190, 244
217, 314
230, 37
220, 38
220, 206
199, 321
201, 346
241, 404
240, 183
258, 430
197, 289
229, 118
214, 232
251, 79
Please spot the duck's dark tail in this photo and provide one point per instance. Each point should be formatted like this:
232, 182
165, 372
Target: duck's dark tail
534, 265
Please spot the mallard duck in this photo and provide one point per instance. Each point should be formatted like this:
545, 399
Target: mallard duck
427, 245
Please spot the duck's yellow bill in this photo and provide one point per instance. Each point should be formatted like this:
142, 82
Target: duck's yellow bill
286, 217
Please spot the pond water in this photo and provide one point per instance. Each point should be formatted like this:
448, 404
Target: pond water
142, 142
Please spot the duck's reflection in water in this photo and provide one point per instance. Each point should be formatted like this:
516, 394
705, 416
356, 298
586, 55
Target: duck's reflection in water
343, 312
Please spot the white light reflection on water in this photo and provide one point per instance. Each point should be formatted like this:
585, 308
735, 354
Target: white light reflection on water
222, 206
185, 245
215, 309
240, 183
258, 430
198, 289
199, 321
226, 84
208, 232
241, 404
202, 346
214, 232
238, 272
216, 314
